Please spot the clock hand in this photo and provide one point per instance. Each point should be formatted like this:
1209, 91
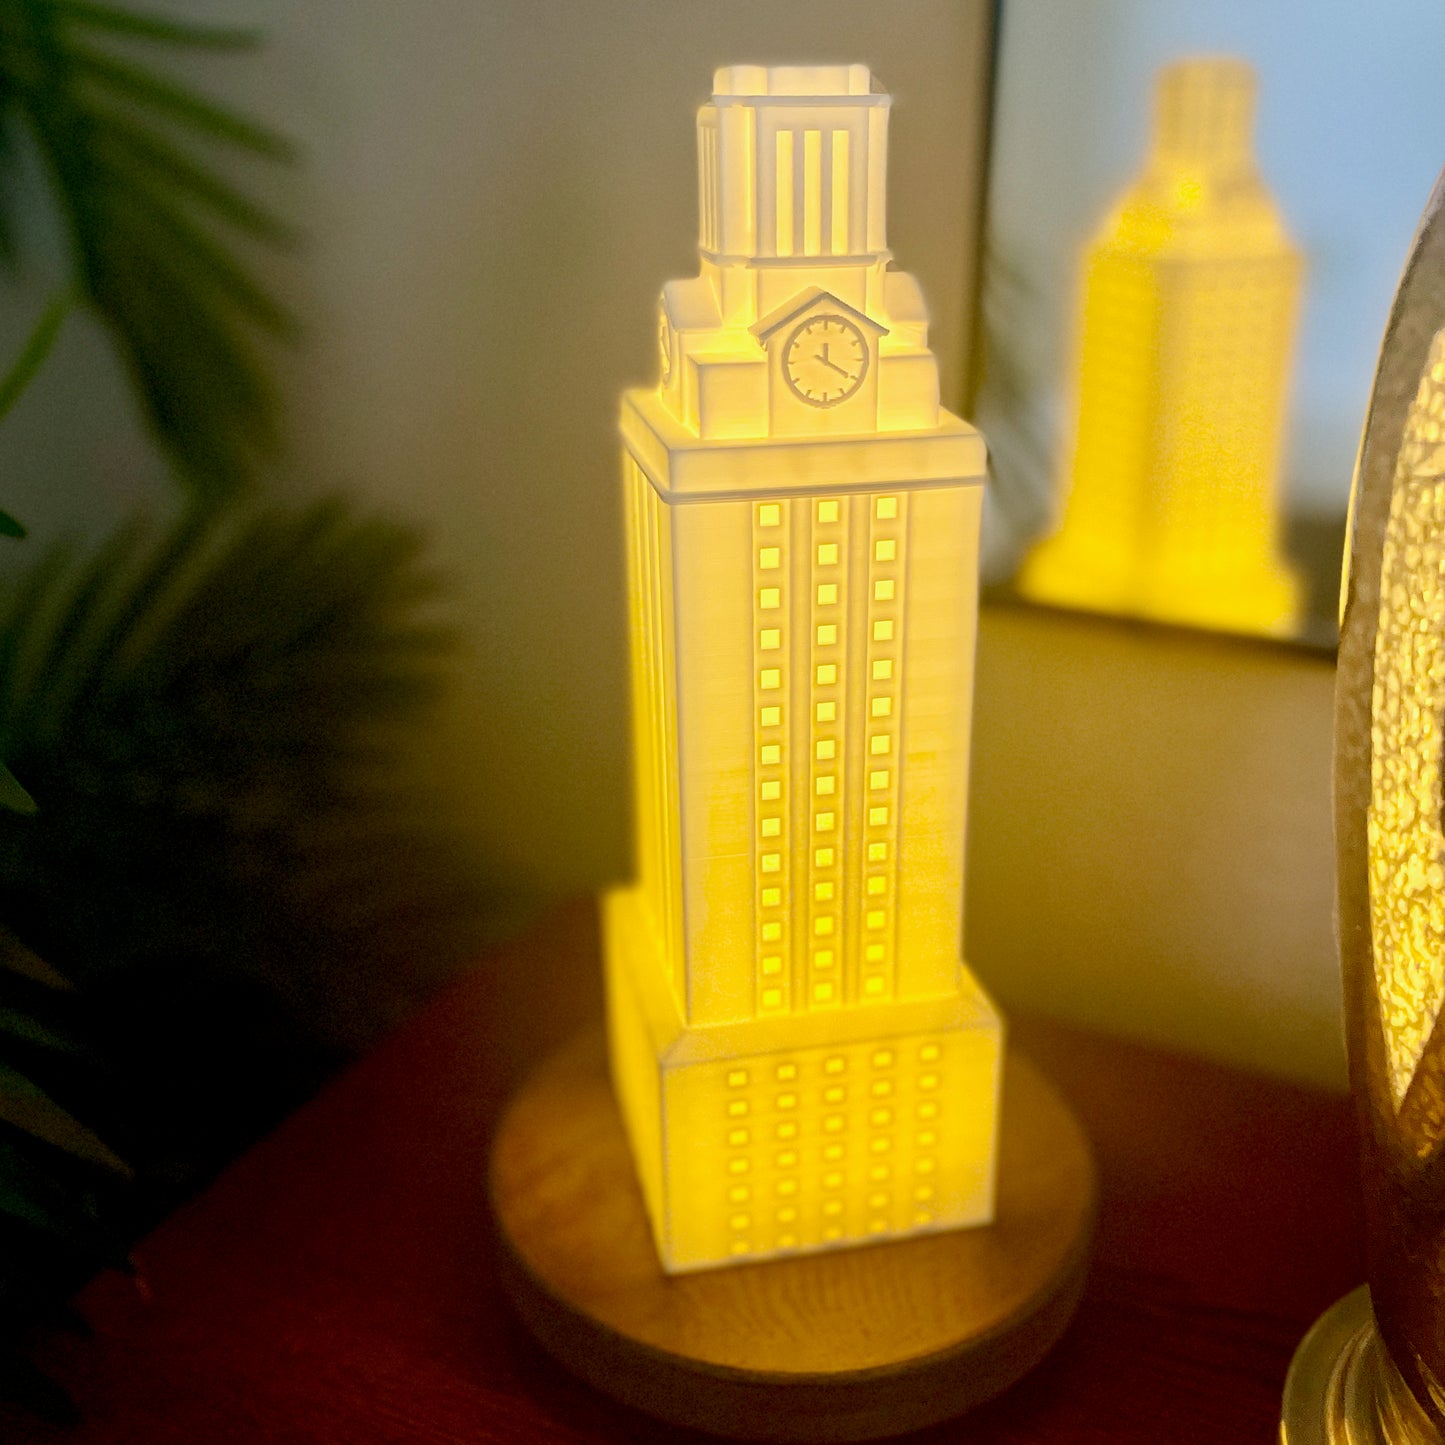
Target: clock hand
833, 365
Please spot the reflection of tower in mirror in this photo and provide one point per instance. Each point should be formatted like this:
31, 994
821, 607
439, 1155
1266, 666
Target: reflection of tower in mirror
1190, 297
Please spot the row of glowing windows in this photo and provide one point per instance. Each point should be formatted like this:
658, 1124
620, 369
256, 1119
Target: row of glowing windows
824, 712
770, 639
770, 679
770, 514
835, 1095
770, 559
833, 1065
771, 598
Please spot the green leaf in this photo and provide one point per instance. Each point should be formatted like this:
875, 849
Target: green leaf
25, 1108
15, 956
150, 91
156, 27
13, 795
133, 157
9, 526
32, 354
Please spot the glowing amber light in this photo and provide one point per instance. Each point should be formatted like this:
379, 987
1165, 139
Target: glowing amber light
1190, 295
802, 524
1406, 843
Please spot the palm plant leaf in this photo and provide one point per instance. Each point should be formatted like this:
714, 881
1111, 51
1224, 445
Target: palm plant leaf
154, 229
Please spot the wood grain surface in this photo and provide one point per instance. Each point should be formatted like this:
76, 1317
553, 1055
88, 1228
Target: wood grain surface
339, 1284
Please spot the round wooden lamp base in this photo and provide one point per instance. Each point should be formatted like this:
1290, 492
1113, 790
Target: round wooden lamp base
853, 1344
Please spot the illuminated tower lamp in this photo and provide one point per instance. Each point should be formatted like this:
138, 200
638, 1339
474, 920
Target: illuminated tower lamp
1190, 298
801, 1059
1372, 1371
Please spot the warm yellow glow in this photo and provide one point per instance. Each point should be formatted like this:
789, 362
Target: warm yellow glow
1407, 846
1190, 296
802, 1059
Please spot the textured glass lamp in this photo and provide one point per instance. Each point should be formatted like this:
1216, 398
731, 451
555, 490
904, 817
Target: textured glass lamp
1373, 1368
1190, 295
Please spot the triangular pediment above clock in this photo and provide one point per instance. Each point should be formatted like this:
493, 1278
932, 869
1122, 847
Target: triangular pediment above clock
813, 301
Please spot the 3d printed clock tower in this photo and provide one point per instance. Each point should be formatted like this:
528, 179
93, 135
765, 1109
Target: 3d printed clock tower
801, 1057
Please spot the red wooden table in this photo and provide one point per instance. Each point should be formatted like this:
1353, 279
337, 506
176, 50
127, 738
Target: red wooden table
337, 1285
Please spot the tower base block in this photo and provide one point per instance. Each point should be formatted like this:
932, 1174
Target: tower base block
849, 1344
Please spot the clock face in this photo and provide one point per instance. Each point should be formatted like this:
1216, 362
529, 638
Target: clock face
825, 360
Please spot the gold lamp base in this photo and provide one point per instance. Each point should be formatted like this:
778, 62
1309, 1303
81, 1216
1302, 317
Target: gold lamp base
1343, 1387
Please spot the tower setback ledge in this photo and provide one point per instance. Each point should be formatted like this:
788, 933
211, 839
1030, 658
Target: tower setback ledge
684, 467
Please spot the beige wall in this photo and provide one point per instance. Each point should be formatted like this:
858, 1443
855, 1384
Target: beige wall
1150, 837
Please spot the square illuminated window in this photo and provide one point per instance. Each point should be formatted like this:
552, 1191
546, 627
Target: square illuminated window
835, 1065
827, 674
880, 743
771, 862
770, 598
770, 514
879, 1117
881, 1088
823, 892
883, 1059
771, 638
881, 706
885, 549
772, 998
826, 711
783, 1073
835, 1094
886, 508
825, 748
787, 1130
823, 822
738, 1137
883, 590
772, 897
882, 630
827, 554
825, 784
875, 919
823, 958
823, 857
873, 984
770, 754
877, 885
928, 1053
737, 1078
787, 1101
771, 791
740, 1194
823, 926
772, 827
874, 953
823, 993
827, 634
827, 594
738, 1109
739, 1166
882, 669
769, 558
877, 817
878, 778
928, 1110
771, 678
827, 511
770, 716
772, 964
877, 852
